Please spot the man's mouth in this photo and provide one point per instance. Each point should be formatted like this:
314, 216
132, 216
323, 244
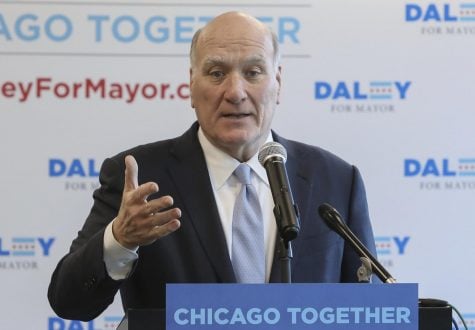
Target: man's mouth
236, 115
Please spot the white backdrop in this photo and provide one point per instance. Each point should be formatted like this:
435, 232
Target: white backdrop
387, 85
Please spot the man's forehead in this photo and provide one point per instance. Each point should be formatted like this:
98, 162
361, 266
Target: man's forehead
215, 59
250, 49
237, 38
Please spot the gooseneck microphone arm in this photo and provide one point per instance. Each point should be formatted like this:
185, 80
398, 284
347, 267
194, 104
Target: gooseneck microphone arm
334, 220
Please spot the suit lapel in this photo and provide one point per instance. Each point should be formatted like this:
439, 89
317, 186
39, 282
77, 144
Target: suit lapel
190, 174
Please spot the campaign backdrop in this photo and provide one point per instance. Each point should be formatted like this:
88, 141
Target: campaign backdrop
386, 85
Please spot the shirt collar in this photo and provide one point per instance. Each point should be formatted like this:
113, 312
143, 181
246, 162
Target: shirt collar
221, 166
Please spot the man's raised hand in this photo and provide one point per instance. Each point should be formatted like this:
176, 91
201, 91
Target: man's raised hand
141, 222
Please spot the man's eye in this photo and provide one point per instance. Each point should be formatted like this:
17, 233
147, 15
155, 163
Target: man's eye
216, 74
253, 73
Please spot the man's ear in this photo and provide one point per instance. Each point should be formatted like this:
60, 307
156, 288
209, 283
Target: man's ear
279, 82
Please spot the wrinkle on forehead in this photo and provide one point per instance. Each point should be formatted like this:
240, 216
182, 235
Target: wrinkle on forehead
214, 59
262, 43
256, 50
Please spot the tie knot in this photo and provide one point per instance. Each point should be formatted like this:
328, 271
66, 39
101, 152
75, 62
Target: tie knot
243, 173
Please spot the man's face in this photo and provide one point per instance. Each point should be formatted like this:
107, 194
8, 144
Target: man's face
235, 85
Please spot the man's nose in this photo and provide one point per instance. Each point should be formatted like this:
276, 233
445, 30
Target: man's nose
235, 89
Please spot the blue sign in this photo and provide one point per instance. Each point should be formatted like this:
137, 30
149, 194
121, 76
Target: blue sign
356, 90
292, 306
60, 167
391, 245
444, 167
447, 12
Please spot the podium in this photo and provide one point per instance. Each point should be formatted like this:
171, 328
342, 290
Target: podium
291, 306
435, 318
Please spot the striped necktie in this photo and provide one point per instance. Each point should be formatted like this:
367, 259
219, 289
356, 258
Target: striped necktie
248, 255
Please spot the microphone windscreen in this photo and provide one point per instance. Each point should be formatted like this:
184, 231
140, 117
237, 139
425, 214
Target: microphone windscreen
271, 149
327, 212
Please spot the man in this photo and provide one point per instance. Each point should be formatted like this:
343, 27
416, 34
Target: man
168, 219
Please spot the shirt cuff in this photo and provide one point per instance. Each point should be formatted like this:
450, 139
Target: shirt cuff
118, 259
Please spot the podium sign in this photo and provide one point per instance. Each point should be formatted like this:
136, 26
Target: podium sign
292, 306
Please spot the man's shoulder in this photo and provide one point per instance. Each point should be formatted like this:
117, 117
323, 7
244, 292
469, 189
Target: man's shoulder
308, 152
152, 148
162, 148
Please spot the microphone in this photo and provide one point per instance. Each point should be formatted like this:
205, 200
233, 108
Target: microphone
272, 157
334, 220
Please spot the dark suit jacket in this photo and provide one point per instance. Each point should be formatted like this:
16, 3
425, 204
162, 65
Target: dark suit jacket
81, 289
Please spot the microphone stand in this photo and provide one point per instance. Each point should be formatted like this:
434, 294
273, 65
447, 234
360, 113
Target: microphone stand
285, 256
365, 271
286, 235
369, 263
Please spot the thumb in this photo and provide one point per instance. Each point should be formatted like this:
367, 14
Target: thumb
131, 174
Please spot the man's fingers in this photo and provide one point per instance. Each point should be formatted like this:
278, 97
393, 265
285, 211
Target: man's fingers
147, 226
131, 174
165, 229
157, 205
141, 194
162, 218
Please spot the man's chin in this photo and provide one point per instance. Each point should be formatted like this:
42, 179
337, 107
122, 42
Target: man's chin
237, 138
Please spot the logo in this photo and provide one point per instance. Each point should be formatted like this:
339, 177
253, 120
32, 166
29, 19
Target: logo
59, 167
363, 97
76, 174
22, 253
442, 173
388, 248
433, 167
135, 27
87, 88
106, 323
445, 18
